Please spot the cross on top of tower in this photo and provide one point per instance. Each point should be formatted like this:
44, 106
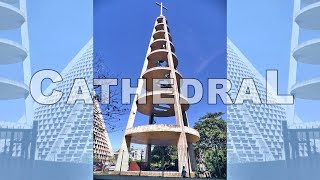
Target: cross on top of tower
161, 7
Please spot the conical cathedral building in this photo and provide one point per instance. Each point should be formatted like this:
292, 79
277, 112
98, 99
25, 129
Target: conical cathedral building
254, 131
65, 131
102, 150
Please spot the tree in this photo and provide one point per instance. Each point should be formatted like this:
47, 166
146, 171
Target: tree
163, 155
211, 149
111, 112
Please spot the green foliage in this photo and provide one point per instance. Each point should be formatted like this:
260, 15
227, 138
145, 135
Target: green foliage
211, 148
169, 154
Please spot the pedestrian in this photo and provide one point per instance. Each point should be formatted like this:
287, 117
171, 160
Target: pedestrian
184, 172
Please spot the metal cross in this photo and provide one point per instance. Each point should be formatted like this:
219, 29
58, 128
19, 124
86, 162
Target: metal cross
161, 7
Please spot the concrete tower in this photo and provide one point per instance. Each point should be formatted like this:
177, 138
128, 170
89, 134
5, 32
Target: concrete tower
304, 50
305, 16
160, 63
13, 15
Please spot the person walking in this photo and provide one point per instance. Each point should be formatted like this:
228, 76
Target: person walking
184, 172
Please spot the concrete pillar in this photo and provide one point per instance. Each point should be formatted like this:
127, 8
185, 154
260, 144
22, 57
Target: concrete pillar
294, 44
292, 77
148, 156
308, 143
11, 143
34, 140
182, 153
26, 63
123, 156
24, 144
151, 119
295, 145
285, 140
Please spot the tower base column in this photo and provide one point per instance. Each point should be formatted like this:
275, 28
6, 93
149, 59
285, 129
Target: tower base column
123, 156
148, 156
183, 153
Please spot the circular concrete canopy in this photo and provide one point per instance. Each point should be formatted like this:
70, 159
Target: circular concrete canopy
151, 103
308, 52
12, 89
308, 2
308, 17
158, 44
11, 52
160, 26
307, 89
161, 134
158, 73
160, 54
10, 16
161, 35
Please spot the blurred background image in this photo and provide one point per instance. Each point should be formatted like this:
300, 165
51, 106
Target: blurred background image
44, 141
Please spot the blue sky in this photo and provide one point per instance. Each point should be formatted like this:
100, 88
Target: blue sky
57, 31
262, 31
122, 30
